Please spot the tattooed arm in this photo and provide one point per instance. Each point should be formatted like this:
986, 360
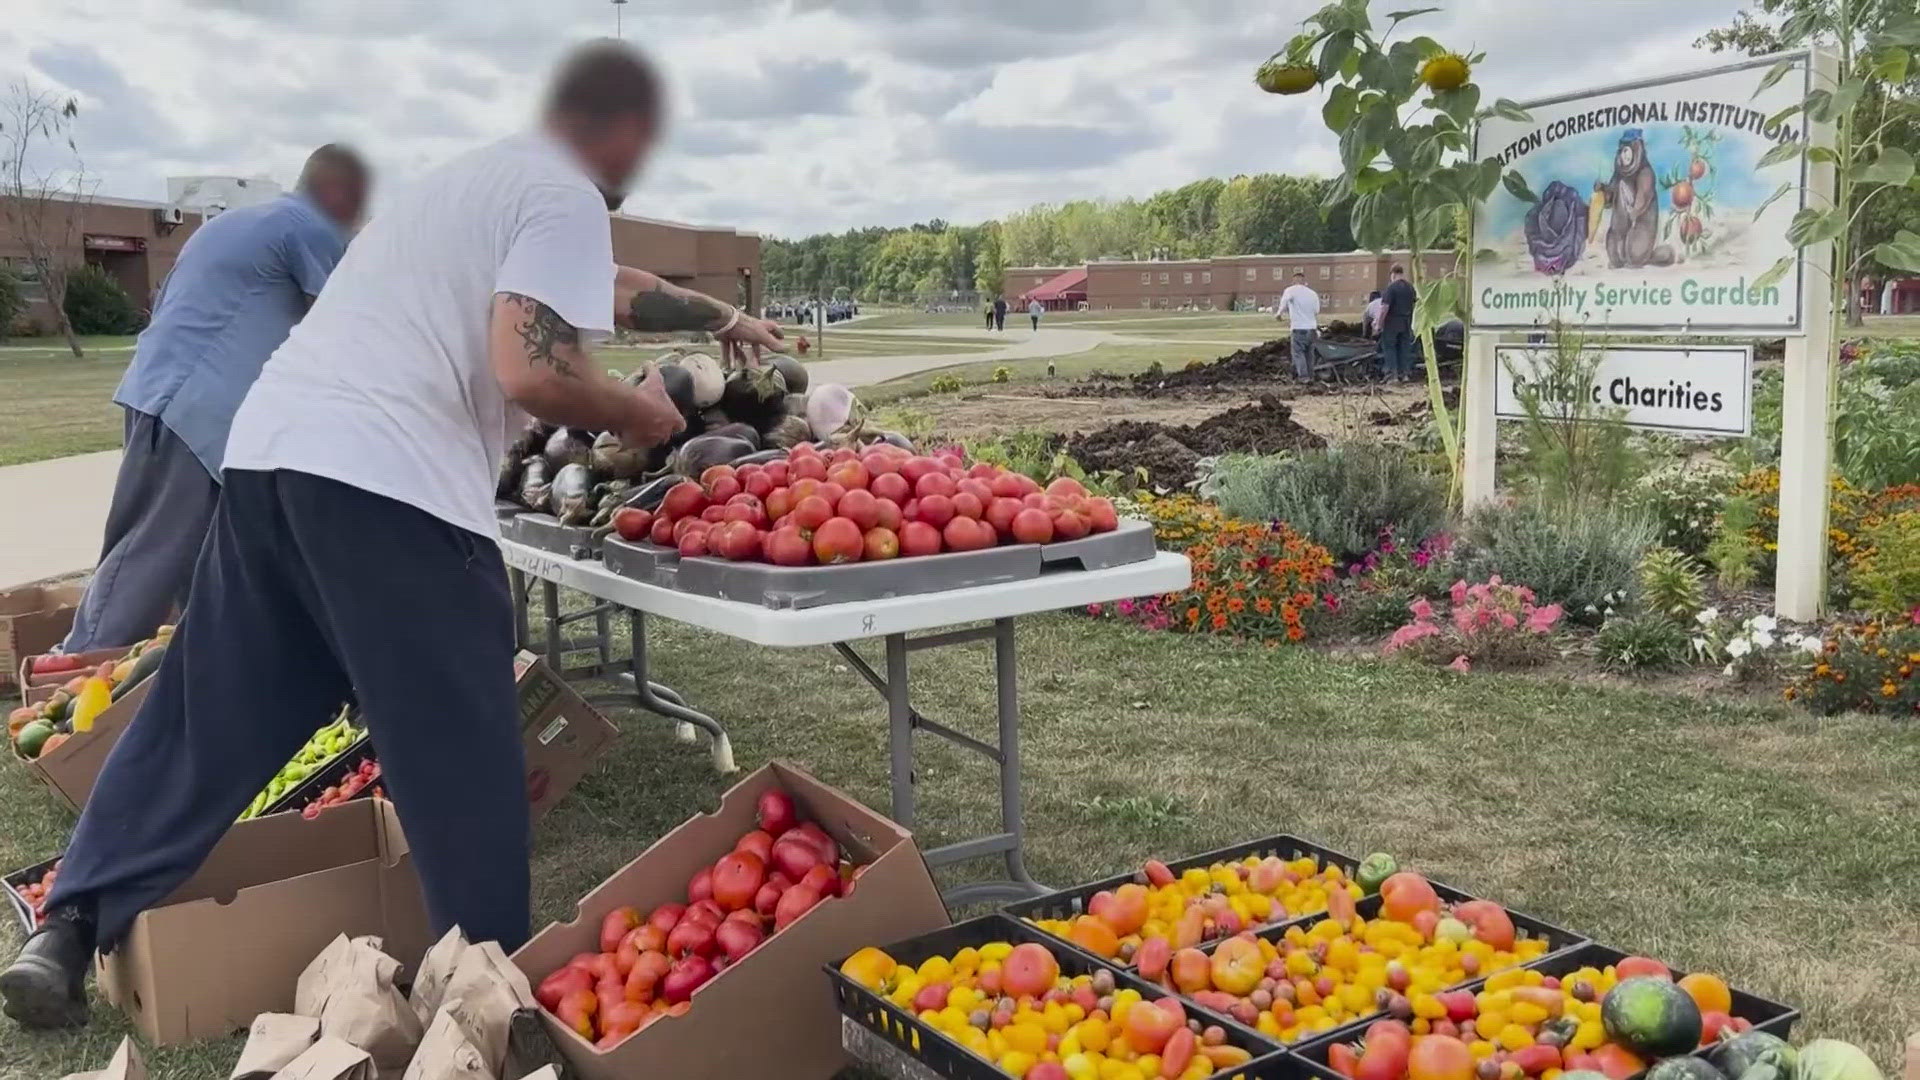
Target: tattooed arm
644, 302
543, 366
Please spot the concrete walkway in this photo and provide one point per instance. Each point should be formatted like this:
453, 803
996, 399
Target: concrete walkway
57, 509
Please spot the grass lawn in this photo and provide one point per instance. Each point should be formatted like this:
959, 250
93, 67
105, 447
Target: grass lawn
847, 344
1120, 359
58, 405
1766, 846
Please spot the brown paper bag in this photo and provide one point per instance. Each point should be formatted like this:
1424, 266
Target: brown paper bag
485, 990
329, 1059
273, 1041
436, 968
349, 988
446, 1054
126, 1064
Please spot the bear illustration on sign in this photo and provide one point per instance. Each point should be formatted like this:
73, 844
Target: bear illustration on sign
1633, 194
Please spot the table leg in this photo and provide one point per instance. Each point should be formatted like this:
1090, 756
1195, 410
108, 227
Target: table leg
517, 585
659, 699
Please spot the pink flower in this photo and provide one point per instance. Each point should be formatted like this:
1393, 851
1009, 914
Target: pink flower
1387, 548
1126, 607
1542, 620
1461, 664
1093, 609
1421, 559
1459, 592
1409, 634
1508, 621
1333, 602
1421, 609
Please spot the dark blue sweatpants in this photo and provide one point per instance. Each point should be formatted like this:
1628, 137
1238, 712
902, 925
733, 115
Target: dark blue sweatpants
308, 593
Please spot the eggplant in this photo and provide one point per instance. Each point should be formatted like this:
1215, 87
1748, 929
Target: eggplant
754, 396
571, 491
761, 457
612, 458
714, 417
676, 380
696, 456
709, 381
533, 439
648, 495
744, 432
896, 439
789, 432
568, 446
791, 370
536, 486
509, 479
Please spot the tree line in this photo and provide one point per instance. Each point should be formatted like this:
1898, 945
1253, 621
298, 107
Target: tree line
1267, 213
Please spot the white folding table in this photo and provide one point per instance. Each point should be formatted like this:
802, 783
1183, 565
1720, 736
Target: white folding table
839, 625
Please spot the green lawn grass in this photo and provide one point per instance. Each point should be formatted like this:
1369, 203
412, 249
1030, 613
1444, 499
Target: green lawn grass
1719, 835
55, 404
847, 344
1118, 359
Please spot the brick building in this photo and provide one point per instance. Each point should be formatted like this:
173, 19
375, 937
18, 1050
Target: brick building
137, 243
1343, 280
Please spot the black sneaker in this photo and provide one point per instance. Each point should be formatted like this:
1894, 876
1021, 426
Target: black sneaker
46, 986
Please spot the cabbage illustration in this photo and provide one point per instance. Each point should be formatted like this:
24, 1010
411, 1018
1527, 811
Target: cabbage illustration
1557, 229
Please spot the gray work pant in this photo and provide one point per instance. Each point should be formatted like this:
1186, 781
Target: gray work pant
1303, 354
162, 502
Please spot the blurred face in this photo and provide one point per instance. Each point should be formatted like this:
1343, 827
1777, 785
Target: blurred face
612, 151
341, 195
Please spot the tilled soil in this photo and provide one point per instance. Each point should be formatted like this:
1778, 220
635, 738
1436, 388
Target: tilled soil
1168, 453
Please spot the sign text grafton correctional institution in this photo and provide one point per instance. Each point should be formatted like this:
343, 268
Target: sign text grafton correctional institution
1648, 207
1704, 390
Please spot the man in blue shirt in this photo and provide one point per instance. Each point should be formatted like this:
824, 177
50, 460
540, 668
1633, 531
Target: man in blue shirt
1396, 327
242, 281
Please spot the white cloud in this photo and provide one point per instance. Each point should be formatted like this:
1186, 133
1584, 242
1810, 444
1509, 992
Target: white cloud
790, 116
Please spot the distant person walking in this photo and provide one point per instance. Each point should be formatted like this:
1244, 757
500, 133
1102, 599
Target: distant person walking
1396, 327
989, 314
242, 281
1034, 308
1300, 306
999, 313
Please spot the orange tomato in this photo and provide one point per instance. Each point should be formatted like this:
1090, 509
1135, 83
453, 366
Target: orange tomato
1437, 1057
1616, 1061
1095, 936
1238, 966
1340, 904
1710, 992
1405, 894
1426, 922
1634, 966
1128, 912
1340, 1058
1489, 920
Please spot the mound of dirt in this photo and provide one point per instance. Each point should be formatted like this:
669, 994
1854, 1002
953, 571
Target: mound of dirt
1169, 453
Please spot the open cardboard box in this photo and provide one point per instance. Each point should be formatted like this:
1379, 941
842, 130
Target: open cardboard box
70, 769
33, 619
35, 689
773, 1013
231, 942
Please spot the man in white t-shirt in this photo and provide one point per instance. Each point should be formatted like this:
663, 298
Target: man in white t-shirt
353, 555
1300, 306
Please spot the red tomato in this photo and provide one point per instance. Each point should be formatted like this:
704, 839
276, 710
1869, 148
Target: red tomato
789, 547
838, 541
1066, 485
714, 515
850, 475
632, 523
776, 471
883, 460
842, 455
1341, 1059
812, 467
693, 543
747, 508
1489, 921
936, 510
662, 531
833, 492
980, 489
1031, 526
616, 926
1640, 965
1434, 1057
1001, 512
919, 538
934, 484
811, 513
775, 813
893, 486
890, 517
759, 841
880, 544
966, 534
1069, 525
779, 503
685, 499
1102, 515
1406, 893
736, 878
804, 487
795, 902
723, 487
966, 504
735, 540
916, 467
700, 886
860, 507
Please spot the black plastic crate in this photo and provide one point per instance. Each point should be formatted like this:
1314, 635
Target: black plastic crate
1068, 903
22, 913
1767, 1016
335, 770
904, 1032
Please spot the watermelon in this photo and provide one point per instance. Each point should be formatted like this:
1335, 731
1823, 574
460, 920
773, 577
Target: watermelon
1651, 1017
1685, 1067
1735, 1056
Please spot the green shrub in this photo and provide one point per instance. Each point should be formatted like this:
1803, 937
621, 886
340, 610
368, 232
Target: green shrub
11, 302
1886, 581
945, 384
1003, 373
1683, 498
1735, 554
1646, 640
1342, 498
96, 304
1876, 417
1582, 557
1670, 584
1040, 455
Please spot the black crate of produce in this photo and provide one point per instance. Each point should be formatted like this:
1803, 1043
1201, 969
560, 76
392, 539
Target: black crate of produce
1068, 903
19, 879
331, 774
1764, 1015
942, 1056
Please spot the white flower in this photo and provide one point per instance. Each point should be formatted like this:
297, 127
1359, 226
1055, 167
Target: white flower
1739, 647
1762, 639
1707, 616
1700, 645
1728, 670
1812, 644
1766, 624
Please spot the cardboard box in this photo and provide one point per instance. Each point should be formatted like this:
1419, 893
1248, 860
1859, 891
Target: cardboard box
231, 943
33, 619
70, 769
561, 733
773, 1013
35, 689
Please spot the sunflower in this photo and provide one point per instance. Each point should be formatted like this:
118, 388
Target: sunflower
1447, 71
1277, 76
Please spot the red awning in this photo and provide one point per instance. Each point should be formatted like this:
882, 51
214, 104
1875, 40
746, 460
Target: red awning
1071, 285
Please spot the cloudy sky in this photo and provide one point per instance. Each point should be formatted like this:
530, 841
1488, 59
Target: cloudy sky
790, 116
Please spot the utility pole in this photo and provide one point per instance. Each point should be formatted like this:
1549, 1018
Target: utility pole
618, 30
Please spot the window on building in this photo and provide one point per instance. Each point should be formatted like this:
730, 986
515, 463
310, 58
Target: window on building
1326, 272
1165, 277
1186, 277
1252, 273
1146, 277
1206, 277
1146, 301
1276, 273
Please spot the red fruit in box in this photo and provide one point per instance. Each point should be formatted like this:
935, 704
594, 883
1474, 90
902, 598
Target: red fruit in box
689, 973
794, 856
823, 879
841, 455
1001, 513
561, 983
890, 517
737, 939
1459, 1004
623, 1019
647, 938
700, 885
1152, 958
767, 901
788, 546
879, 545
919, 538
838, 541
1007, 485
693, 543
714, 514
775, 812
938, 483
726, 487
1032, 526
662, 531
812, 512
850, 475
779, 502
744, 915
1068, 525
893, 486
776, 471
966, 534
811, 467
1102, 516
833, 493
916, 467
932, 997
632, 523
691, 936
861, 507
1066, 485
609, 994
736, 878
966, 504
979, 489
796, 902
759, 485
705, 911
685, 499
1053, 1070
735, 540
714, 472
576, 1011
936, 510
804, 487
759, 841
829, 850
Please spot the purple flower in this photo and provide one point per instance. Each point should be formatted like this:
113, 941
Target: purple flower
1126, 607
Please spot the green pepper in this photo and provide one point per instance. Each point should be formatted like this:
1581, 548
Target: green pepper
1374, 869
